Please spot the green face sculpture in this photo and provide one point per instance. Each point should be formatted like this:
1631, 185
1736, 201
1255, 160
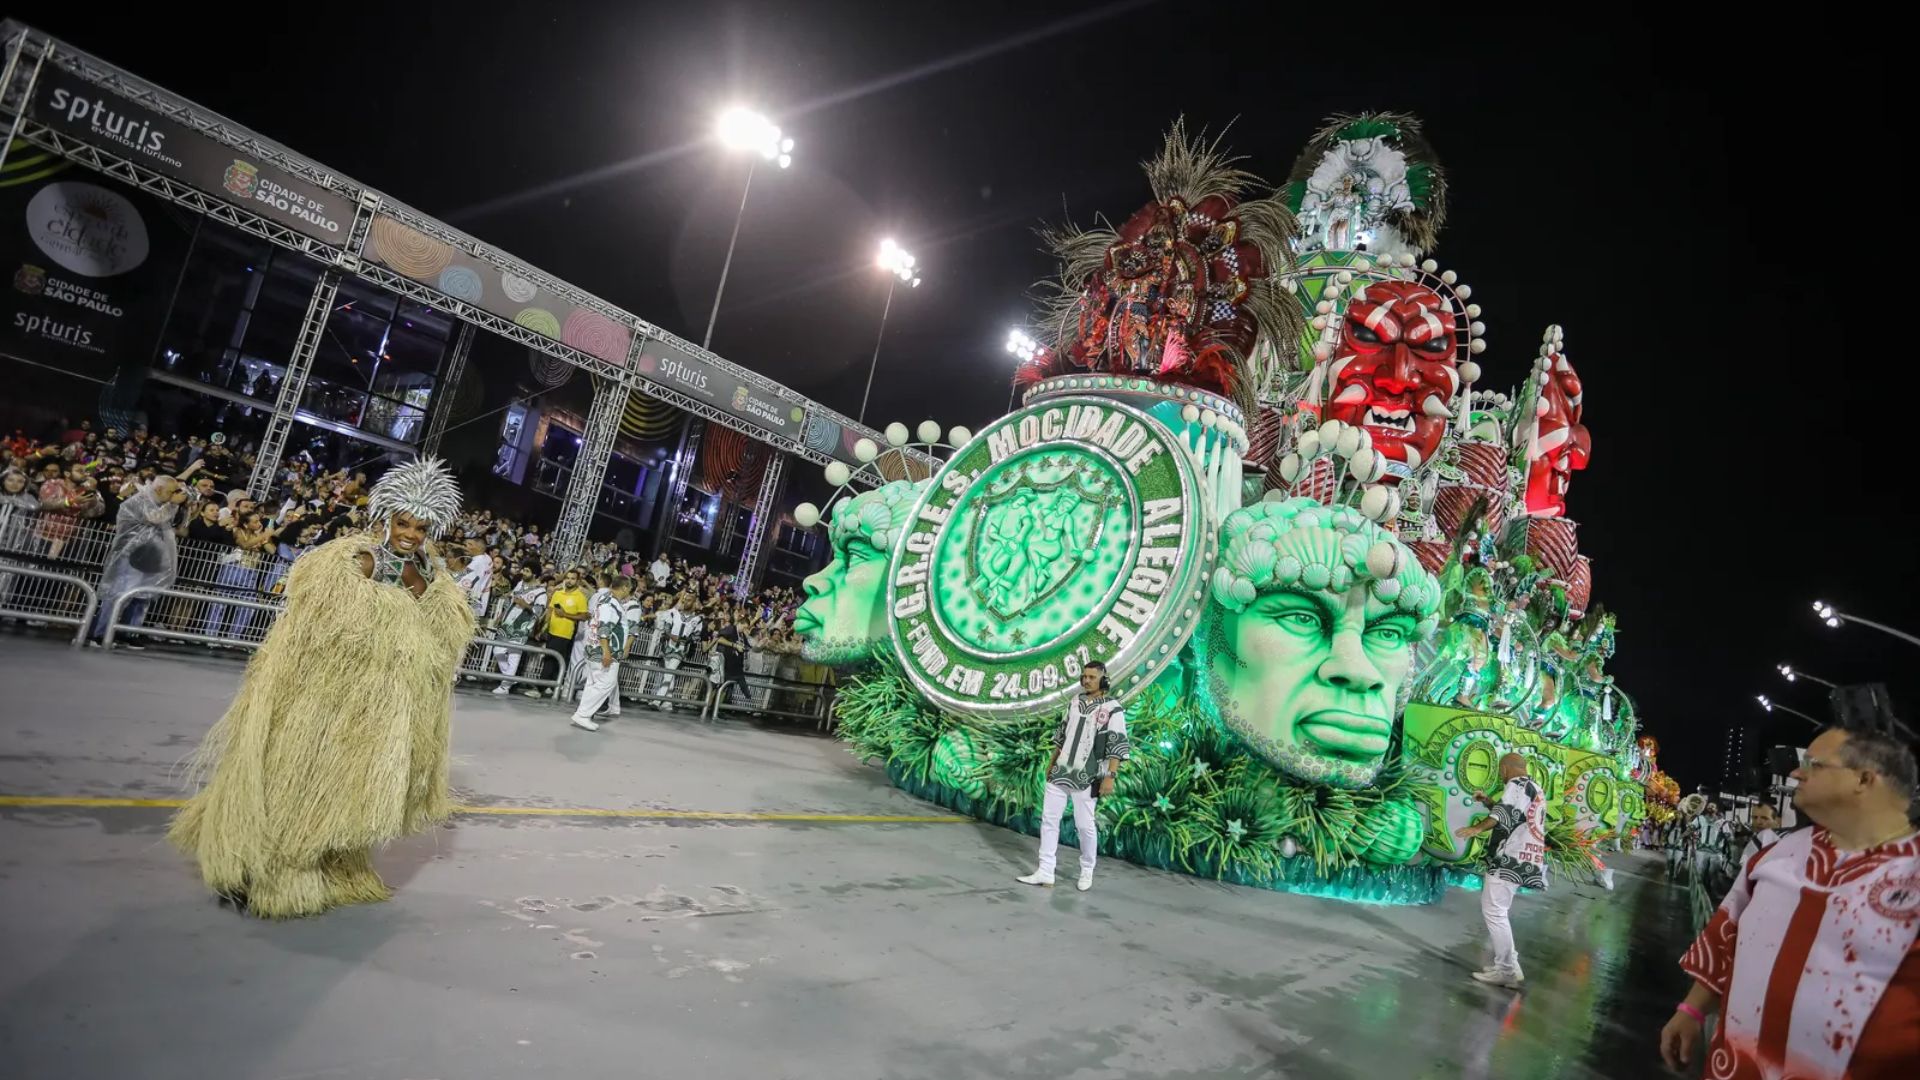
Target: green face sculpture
845, 616
1315, 615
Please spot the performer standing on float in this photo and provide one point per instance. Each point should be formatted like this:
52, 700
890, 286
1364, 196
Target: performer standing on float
1516, 859
1088, 749
338, 738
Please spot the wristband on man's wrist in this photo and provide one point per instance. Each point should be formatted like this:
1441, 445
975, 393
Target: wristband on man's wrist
1691, 1011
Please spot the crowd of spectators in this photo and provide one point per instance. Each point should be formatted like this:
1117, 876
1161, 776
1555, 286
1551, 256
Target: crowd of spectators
54, 485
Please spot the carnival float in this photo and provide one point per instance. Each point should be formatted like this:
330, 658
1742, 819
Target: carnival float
1254, 474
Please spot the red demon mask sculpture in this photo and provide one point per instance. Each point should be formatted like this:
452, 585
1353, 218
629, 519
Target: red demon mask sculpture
1396, 370
1560, 443
1167, 300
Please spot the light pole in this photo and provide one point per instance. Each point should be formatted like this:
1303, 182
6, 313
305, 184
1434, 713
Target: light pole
1022, 345
1832, 617
1794, 674
1770, 705
895, 260
744, 129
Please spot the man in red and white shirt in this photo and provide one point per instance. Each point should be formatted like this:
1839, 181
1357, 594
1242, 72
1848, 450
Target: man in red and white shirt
1812, 958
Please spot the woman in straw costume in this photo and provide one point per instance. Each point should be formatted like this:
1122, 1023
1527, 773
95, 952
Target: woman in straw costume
338, 738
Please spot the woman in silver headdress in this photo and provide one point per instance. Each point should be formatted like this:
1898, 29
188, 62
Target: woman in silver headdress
337, 740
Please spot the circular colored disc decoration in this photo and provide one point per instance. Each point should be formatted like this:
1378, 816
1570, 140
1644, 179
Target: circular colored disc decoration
462, 282
414, 254
1072, 530
596, 335
540, 321
518, 289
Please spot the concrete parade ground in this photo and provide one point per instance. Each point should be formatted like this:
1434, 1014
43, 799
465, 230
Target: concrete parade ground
669, 899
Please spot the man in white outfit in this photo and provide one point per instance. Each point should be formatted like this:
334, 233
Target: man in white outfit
1088, 749
1516, 859
477, 578
606, 644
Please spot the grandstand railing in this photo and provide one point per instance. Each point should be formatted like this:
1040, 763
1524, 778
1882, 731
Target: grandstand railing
226, 599
46, 597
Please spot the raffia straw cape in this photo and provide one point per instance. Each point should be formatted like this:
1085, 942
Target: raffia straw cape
336, 742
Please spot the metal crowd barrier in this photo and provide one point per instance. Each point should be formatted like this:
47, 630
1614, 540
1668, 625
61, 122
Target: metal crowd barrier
481, 664
50, 570
769, 695
47, 597
228, 622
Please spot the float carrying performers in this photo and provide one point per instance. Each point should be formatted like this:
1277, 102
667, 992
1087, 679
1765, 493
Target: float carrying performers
1516, 859
338, 738
1088, 749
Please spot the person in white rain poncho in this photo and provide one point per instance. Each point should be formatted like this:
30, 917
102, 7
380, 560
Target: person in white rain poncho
144, 551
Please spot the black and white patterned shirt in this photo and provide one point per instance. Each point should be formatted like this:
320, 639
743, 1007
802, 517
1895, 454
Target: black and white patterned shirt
1517, 850
1076, 759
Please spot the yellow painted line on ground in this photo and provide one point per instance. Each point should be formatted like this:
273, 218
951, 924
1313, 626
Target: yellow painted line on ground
79, 802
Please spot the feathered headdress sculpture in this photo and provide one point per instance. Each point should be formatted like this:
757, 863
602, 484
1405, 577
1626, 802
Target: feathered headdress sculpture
424, 488
1184, 289
1368, 182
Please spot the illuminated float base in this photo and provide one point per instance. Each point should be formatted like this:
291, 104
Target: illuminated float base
1191, 800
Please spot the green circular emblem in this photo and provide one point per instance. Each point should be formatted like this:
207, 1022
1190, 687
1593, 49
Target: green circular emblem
1072, 530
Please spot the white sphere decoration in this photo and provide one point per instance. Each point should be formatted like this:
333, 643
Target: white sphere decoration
1473, 311
1360, 464
1464, 292
1478, 345
1393, 505
1476, 328
1374, 503
865, 450
1429, 266
1290, 468
1330, 433
806, 515
960, 436
1345, 276
897, 434
1406, 258
1323, 306
1276, 495
928, 431
1449, 277
1383, 560
1289, 285
1191, 413
838, 473
1349, 443
1288, 848
1469, 372
1319, 322
1209, 418
1322, 351
1308, 445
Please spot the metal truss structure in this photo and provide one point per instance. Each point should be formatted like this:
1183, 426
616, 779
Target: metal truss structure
441, 407
589, 471
29, 50
293, 385
753, 559
683, 461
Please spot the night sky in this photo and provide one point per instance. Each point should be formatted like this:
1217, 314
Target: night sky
1684, 199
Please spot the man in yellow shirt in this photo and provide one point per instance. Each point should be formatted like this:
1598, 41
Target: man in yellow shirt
567, 607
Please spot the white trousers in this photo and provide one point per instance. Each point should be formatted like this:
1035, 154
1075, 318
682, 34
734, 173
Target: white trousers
507, 660
1051, 808
602, 683
1496, 897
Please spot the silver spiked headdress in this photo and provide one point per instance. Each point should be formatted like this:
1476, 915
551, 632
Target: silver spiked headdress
423, 487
